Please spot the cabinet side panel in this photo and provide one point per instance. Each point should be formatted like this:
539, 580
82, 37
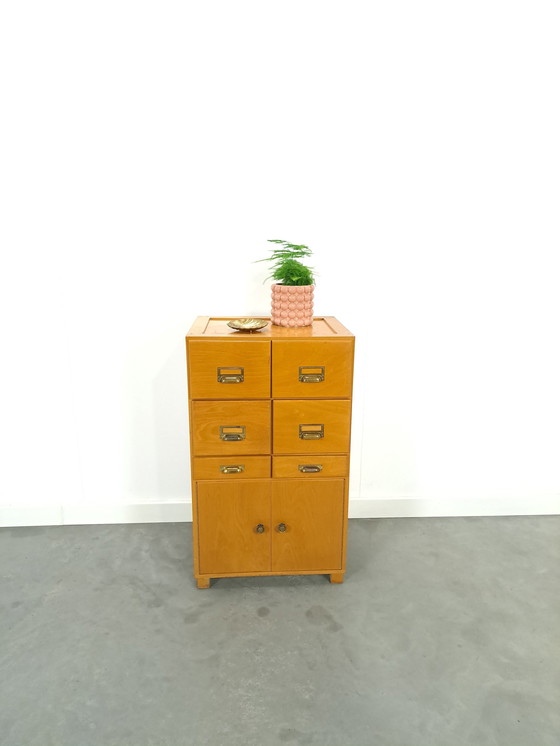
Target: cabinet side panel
194, 530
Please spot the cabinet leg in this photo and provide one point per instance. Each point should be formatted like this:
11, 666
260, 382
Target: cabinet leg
203, 582
337, 577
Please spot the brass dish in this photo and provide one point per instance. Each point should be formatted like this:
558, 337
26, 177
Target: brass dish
247, 325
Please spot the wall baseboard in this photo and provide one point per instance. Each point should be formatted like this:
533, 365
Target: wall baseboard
426, 507
73, 515
180, 511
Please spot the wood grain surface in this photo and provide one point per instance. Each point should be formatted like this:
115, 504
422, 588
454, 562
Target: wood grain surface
335, 356
228, 514
289, 414
313, 513
206, 356
209, 416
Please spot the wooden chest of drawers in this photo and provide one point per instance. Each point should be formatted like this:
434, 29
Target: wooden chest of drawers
270, 448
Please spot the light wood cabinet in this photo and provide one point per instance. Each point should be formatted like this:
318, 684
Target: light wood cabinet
270, 444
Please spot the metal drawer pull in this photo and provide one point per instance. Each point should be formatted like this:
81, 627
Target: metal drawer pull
310, 468
232, 432
232, 469
235, 375
259, 528
281, 527
311, 373
311, 432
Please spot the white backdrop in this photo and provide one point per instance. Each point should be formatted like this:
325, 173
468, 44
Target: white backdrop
148, 152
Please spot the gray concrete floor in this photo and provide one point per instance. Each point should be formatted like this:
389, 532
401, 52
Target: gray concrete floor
445, 633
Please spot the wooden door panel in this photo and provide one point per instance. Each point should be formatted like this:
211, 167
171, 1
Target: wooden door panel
312, 512
228, 514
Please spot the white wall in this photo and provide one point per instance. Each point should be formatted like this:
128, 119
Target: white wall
148, 152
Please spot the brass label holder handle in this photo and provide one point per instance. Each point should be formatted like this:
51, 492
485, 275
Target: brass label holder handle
232, 432
310, 468
311, 373
231, 375
311, 432
232, 469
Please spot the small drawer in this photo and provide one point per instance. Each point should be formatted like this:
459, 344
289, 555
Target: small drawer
232, 369
304, 467
220, 467
312, 369
230, 428
304, 426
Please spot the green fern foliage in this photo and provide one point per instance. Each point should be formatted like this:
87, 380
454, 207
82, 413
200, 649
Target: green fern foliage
292, 272
286, 268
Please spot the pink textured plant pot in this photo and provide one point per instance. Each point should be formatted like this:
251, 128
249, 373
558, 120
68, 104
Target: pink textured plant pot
292, 305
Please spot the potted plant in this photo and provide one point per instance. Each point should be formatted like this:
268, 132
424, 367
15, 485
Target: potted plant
292, 295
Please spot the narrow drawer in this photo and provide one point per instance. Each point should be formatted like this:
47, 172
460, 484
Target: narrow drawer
232, 369
223, 467
312, 369
230, 428
304, 426
302, 466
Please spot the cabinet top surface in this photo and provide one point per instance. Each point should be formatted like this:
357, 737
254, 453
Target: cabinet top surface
215, 327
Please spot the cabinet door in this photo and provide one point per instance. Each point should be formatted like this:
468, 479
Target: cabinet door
228, 515
308, 521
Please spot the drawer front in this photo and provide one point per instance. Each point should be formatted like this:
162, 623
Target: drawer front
230, 428
220, 467
309, 468
233, 369
312, 369
306, 426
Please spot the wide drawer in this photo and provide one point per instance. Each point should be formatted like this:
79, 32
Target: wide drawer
311, 368
220, 467
304, 426
230, 427
232, 369
301, 466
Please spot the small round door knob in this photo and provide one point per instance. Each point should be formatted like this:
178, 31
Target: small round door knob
281, 527
260, 528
